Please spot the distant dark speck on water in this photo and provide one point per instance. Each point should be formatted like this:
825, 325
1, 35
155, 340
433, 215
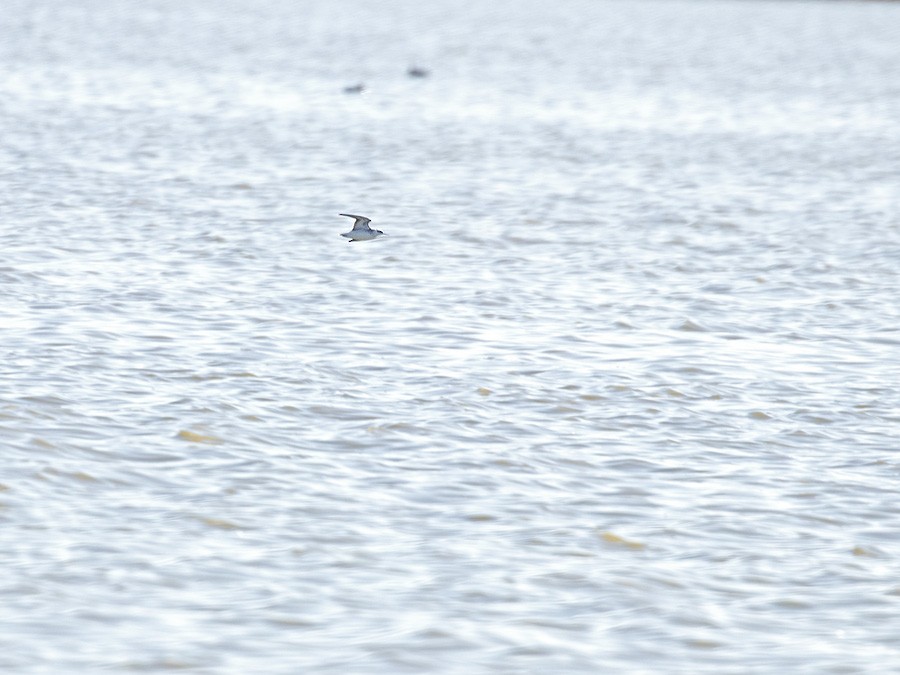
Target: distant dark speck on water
417, 72
355, 89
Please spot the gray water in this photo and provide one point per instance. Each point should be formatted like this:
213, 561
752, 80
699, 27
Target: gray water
617, 393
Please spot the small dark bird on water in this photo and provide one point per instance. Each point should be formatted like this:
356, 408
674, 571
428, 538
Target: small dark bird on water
415, 71
355, 89
361, 230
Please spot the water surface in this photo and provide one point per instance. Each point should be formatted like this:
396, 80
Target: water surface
618, 393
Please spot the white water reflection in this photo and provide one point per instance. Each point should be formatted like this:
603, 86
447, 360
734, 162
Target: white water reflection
633, 410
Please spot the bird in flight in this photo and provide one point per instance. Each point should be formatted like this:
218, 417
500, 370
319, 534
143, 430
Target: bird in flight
361, 230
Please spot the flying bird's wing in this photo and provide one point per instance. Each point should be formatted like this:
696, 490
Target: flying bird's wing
362, 223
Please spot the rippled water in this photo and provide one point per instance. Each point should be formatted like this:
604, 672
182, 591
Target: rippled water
618, 393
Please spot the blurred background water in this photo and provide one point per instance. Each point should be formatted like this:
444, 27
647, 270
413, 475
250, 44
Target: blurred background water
618, 393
